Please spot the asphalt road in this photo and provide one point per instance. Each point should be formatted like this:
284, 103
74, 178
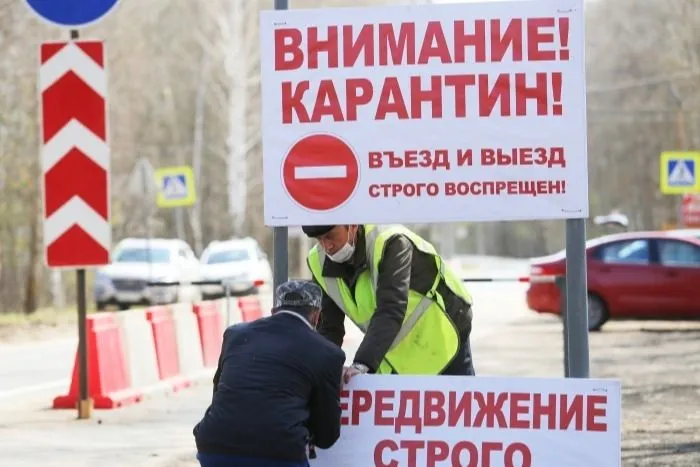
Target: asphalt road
35, 367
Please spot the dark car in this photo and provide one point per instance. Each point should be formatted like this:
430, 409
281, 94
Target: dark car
634, 275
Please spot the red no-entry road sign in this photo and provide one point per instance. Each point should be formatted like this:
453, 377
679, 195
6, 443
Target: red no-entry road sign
320, 172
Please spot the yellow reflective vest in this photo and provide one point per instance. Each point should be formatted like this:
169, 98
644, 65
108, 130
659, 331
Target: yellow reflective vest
428, 340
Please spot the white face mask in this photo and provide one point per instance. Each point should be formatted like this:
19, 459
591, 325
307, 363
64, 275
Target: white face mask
344, 254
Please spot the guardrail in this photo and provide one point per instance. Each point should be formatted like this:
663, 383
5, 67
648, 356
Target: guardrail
526, 279
225, 284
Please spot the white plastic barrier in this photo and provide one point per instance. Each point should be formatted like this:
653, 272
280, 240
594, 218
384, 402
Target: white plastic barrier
266, 302
189, 343
232, 315
139, 347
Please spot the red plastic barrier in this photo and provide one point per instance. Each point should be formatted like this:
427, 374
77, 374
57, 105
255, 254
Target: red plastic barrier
165, 339
250, 308
211, 331
108, 376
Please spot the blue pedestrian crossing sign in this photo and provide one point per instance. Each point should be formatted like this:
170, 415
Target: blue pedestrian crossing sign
175, 187
679, 172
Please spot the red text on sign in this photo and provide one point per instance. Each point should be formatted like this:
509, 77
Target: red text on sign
387, 44
514, 410
423, 158
505, 94
490, 188
408, 190
440, 158
420, 453
511, 187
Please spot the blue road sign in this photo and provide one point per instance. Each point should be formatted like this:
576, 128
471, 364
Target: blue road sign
71, 13
681, 172
175, 187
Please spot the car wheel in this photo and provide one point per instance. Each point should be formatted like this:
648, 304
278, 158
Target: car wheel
101, 306
123, 306
597, 313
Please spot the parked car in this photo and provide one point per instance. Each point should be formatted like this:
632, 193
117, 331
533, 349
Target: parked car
635, 275
138, 261
239, 263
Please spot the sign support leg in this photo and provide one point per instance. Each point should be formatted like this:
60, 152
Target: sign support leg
84, 401
280, 251
576, 319
280, 235
561, 286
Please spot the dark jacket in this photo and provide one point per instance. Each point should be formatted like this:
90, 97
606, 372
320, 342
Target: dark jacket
402, 267
278, 383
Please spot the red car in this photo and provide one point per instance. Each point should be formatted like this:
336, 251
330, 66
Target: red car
635, 275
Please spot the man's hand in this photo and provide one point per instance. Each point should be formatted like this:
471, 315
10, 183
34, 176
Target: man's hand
352, 370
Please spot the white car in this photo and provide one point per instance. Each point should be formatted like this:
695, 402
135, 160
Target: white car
238, 263
136, 262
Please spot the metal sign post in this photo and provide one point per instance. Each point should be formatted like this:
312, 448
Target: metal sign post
576, 310
84, 401
280, 235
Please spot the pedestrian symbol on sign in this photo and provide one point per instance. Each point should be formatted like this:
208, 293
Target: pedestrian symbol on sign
681, 173
175, 187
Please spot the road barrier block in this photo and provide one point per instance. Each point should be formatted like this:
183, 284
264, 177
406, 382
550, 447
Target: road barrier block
165, 338
233, 314
250, 308
139, 348
109, 385
210, 322
189, 344
266, 303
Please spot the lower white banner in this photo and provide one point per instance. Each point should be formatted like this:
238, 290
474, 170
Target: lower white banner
452, 421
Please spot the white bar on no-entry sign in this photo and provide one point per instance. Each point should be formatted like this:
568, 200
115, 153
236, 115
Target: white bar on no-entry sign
321, 171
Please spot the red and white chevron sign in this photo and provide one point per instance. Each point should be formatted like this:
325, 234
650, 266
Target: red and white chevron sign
75, 154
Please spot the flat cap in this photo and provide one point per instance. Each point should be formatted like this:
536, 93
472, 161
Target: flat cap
316, 230
298, 293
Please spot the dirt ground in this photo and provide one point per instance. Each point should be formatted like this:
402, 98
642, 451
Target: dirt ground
658, 364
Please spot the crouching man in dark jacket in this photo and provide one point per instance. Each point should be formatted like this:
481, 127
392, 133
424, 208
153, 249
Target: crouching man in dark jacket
276, 389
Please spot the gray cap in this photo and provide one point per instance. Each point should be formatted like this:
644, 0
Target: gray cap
298, 293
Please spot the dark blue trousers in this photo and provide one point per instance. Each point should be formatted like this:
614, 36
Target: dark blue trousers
216, 460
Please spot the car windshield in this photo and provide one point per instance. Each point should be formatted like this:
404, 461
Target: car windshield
141, 255
227, 256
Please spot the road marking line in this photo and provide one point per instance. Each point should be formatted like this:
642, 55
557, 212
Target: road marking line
33, 388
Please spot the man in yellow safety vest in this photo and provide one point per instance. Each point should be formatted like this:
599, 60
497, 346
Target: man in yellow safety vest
414, 311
